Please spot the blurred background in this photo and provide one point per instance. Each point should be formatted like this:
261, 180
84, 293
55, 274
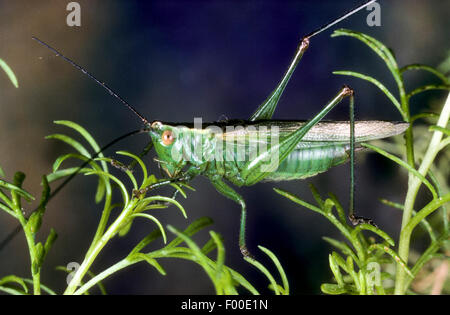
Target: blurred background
176, 60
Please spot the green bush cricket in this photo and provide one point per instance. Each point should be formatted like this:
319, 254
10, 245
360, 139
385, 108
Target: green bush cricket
231, 150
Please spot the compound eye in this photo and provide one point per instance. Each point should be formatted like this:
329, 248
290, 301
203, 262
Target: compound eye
167, 137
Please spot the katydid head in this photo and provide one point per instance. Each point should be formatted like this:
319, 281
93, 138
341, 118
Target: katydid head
168, 147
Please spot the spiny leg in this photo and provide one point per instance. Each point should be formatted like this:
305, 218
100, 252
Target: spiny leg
130, 166
167, 203
356, 220
138, 192
186, 176
229, 192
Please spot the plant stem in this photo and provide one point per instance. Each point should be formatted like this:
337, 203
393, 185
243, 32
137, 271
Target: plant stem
35, 270
107, 272
104, 218
414, 184
90, 257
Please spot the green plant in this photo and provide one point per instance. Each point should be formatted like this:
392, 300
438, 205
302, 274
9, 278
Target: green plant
225, 279
426, 163
362, 264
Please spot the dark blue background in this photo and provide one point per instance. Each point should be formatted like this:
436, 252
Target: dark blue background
176, 60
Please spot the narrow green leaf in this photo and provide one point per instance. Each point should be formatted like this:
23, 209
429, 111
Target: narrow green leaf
432, 70
445, 131
152, 218
66, 172
242, 281
279, 268
34, 222
425, 88
347, 266
201, 259
346, 250
178, 187
6, 209
328, 206
444, 212
266, 272
16, 189
51, 238
146, 240
335, 270
122, 187
18, 180
373, 229
83, 132
429, 253
384, 53
70, 141
316, 195
78, 156
424, 222
187, 240
40, 253
209, 246
125, 229
405, 165
186, 185
220, 262
45, 192
339, 260
167, 199
43, 287
378, 84
394, 255
340, 210
297, 200
14, 279
9, 73
425, 211
100, 285
149, 260
333, 289
101, 189
349, 263
379, 48
128, 172
136, 158
423, 115
192, 229
11, 291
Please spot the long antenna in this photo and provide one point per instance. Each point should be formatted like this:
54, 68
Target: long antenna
102, 84
339, 19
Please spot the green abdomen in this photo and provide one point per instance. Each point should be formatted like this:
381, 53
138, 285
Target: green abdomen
309, 159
